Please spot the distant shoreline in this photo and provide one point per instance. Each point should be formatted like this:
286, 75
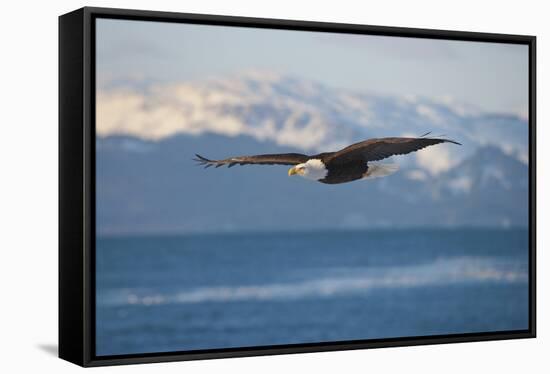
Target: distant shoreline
126, 235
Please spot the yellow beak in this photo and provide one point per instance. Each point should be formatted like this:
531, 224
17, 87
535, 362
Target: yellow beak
292, 171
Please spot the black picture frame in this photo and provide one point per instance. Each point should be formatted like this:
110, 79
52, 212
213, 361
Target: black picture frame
77, 184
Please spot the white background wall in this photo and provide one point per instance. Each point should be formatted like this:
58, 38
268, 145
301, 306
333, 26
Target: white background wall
28, 188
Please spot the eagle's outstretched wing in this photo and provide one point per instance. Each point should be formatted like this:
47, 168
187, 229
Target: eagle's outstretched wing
273, 159
380, 148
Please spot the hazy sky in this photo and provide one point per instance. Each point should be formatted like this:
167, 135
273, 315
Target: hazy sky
492, 76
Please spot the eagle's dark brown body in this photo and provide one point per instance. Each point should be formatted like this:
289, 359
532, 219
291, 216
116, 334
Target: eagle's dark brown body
344, 173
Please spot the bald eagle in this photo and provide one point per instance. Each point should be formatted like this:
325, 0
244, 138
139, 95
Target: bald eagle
346, 165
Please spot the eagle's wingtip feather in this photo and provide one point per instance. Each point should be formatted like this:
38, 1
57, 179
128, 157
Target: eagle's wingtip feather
443, 140
204, 161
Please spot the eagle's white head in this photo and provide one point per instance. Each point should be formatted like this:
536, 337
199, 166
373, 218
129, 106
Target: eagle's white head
313, 169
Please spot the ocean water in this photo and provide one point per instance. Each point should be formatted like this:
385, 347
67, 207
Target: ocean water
175, 293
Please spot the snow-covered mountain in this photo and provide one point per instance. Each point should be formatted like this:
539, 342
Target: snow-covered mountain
304, 115
148, 133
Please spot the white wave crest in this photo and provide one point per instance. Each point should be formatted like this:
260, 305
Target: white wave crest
439, 272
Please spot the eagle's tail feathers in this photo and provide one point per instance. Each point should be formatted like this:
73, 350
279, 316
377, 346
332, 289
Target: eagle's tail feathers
380, 170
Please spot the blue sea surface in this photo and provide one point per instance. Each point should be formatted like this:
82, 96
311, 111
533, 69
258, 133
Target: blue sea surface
179, 293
